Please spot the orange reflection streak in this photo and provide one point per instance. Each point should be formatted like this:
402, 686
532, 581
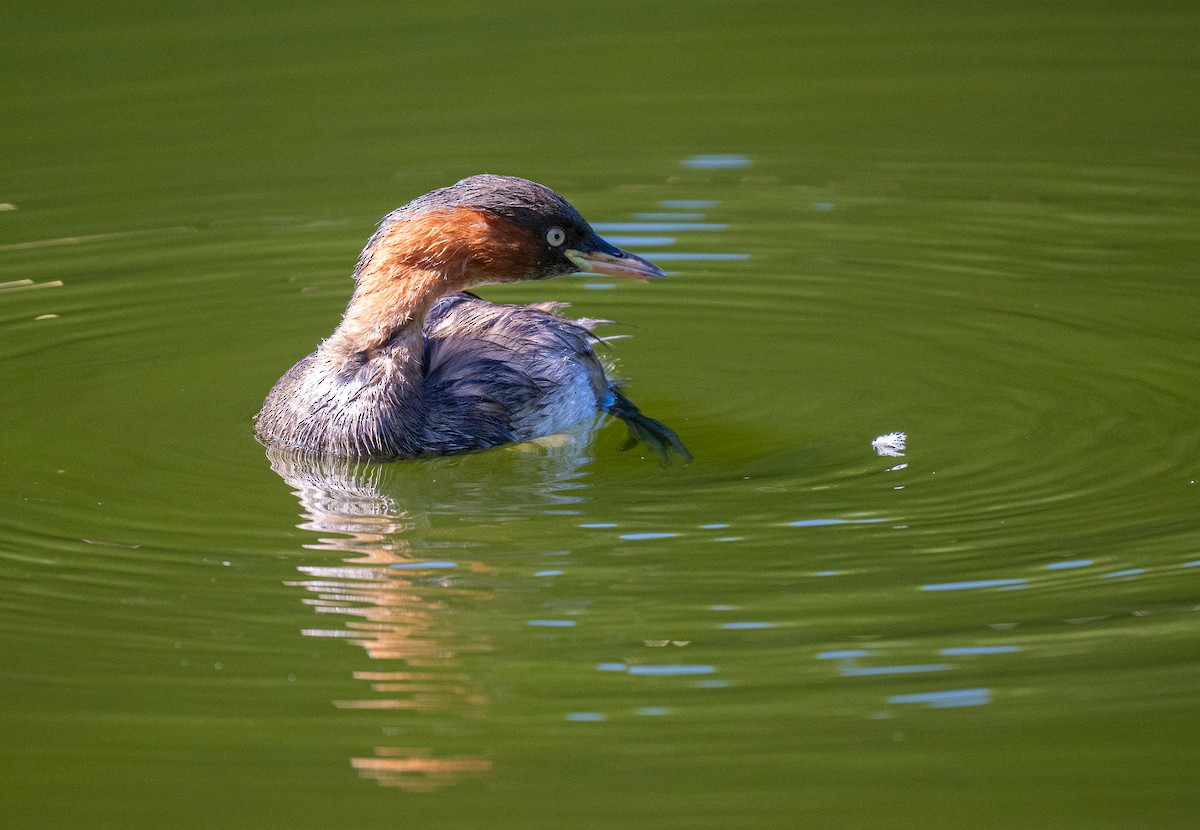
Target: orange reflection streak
414, 770
394, 615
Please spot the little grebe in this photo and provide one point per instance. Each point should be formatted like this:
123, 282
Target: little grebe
418, 366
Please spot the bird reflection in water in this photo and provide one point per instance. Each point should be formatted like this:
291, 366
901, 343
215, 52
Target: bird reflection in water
396, 604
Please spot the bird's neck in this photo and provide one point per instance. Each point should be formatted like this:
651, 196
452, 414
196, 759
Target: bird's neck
379, 350
409, 263
389, 308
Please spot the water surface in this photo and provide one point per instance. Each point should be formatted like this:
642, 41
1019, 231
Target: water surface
978, 227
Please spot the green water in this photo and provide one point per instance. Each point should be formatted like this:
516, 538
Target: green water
976, 224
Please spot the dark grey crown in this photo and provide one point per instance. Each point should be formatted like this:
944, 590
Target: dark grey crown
527, 203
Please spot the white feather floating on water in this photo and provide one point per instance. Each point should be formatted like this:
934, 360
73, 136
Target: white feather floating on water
891, 444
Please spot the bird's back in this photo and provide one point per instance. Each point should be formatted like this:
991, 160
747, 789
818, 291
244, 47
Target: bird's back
501, 373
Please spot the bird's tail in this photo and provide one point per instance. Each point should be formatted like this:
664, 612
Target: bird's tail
656, 435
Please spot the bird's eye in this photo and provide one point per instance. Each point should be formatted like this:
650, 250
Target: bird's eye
556, 236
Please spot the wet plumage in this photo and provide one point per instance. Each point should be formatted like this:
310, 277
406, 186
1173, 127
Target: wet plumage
418, 366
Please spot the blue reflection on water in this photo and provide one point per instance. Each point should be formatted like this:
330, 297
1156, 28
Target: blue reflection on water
598, 525
586, 717
849, 667
639, 537
661, 670
849, 670
823, 522
1074, 563
957, 651
978, 583
946, 699
552, 623
1128, 572
653, 710
668, 217
747, 625
667, 256
423, 565
550, 573
689, 204
671, 670
657, 227
716, 161
639, 241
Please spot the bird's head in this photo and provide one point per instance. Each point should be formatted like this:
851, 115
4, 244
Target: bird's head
495, 229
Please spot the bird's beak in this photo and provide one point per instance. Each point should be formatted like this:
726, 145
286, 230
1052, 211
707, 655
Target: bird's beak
611, 261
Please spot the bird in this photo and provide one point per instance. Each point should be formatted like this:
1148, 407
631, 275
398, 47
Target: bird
419, 365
